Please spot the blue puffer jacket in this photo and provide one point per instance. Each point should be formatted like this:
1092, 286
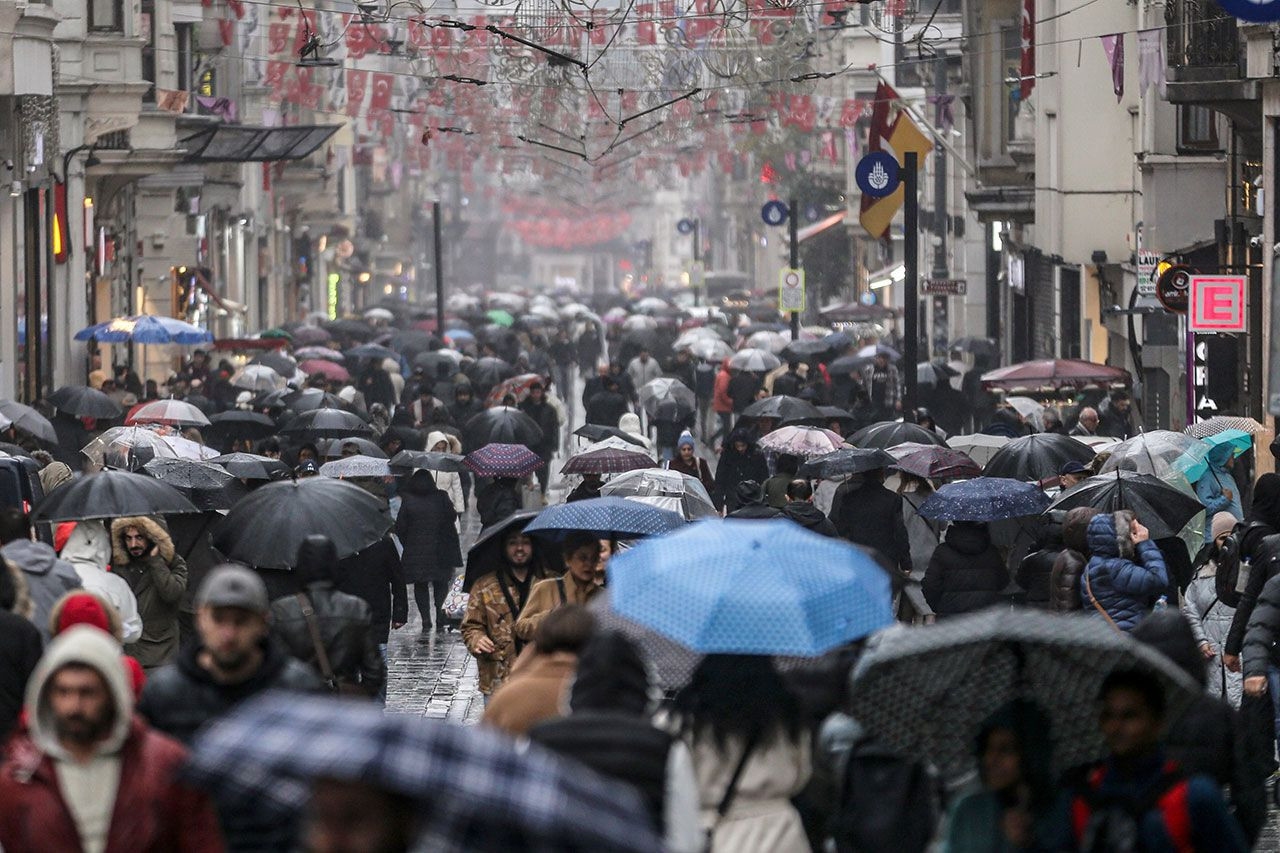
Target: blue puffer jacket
1126, 589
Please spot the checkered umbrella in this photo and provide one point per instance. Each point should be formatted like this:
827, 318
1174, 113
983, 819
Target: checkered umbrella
503, 460
169, 412
926, 692
1221, 423
479, 789
606, 460
620, 517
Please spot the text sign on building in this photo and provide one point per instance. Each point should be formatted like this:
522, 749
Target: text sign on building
1217, 303
791, 290
1147, 263
946, 286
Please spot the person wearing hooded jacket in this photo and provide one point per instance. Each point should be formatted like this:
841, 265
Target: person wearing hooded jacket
496, 500
142, 552
739, 461
1217, 489
1261, 551
89, 774
20, 651
47, 578
965, 573
800, 509
88, 550
1210, 617
1036, 569
609, 729
449, 482
1068, 566
1126, 574
751, 503
426, 529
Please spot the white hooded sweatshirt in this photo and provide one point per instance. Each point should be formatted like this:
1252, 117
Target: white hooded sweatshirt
88, 549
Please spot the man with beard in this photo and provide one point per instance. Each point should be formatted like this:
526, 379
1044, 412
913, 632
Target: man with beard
234, 660
142, 552
88, 774
495, 603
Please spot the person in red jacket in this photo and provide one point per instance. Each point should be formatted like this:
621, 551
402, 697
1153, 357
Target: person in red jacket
87, 774
722, 403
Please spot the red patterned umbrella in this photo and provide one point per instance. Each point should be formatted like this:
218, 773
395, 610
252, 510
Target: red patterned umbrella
503, 460
607, 460
516, 386
1054, 374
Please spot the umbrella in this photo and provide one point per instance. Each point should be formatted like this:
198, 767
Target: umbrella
517, 386
938, 463
804, 441
457, 336
607, 460
672, 664
1218, 423
319, 352
926, 692
485, 553
145, 329
373, 351
110, 494
309, 399
934, 373
313, 335
687, 494
351, 328
692, 336
327, 423
1054, 374
709, 349
787, 410
206, 485
984, 499
249, 466
348, 467
608, 517
503, 460
432, 362
835, 413
1171, 456
84, 402
847, 364
476, 789
489, 371
28, 421
805, 350
873, 350
169, 412
650, 304
846, 461
773, 342
1030, 410
379, 314
258, 378
502, 425
751, 587
500, 317
1241, 442
639, 323
241, 424
980, 446
331, 448
656, 392
1037, 456
266, 528
977, 346
754, 360
133, 446
1164, 508
281, 363
886, 434
327, 369
598, 432
408, 461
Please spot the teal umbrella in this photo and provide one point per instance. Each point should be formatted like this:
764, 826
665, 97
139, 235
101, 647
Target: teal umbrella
502, 318
1239, 440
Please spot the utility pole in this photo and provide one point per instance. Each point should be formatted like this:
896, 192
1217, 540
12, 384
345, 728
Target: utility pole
792, 233
439, 265
911, 298
940, 266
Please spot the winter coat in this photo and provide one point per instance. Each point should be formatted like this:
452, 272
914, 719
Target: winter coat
345, 626
810, 518
190, 534
923, 534
697, 469
966, 572
734, 467
1213, 486
535, 692
158, 581
1210, 620
1035, 573
376, 576
643, 372
742, 390
775, 489
761, 818
495, 501
548, 594
154, 811
47, 578
1068, 566
1260, 547
1125, 579
426, 530
449, 482
868, 514
19, 652
630, 424
489, 614
548, 420
606, 408
721, 402
582, 492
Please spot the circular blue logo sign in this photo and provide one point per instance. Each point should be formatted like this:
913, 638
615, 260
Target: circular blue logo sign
685, 226
877, 174
774, 213
1261, 11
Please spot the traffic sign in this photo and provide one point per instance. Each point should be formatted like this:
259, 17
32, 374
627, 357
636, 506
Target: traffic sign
946, 286
685, 226
1217, 303
1173, 287
774, 212
791, 290
1259, 11
877, 174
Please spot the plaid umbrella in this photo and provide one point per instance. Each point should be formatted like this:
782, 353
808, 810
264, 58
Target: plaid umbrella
258, 378
503, 460
927, 691
169, 412
845, 461
805, 441
480, 790
619, 517
1219, 423
84, 402
938, 463
356, 466
984, 499
606, 460
327, 423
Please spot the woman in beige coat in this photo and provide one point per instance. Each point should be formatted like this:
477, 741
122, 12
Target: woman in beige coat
448, 482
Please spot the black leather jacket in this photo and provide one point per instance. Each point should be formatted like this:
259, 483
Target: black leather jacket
345, 624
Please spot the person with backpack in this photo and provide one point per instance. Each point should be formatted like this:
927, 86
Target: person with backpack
1137, 799
1209, 614
1254, 548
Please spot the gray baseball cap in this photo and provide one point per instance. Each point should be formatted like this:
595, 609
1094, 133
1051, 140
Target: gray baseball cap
229, 585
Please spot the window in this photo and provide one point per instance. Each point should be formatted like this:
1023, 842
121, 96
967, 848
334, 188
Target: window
1197, 129
186, 63
149, 49
106, 16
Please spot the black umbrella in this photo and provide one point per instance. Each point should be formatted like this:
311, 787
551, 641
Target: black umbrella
835, 413
241, 424
207, 486
486, 554
805, 350
249, 466
1163, 508
787, 410
432, 362
412, 342
328, 423
1037, 457
357, 329
84, 402
311, 398
845, 461
277, 361
489, 371
332, 448
597, 432
501, 425
371, 351
888, 434
846, 364
265, 529
408, 461
111, 494
27, 420
977, 346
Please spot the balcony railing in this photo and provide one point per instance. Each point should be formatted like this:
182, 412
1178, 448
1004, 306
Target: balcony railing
1200, 34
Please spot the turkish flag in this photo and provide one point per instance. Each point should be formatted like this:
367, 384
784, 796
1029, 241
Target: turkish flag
1027, 66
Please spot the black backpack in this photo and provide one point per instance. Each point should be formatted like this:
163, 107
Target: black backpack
886, 802
1227, 582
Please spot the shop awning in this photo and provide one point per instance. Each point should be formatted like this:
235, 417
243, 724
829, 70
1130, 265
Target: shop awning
818, 227
242, 143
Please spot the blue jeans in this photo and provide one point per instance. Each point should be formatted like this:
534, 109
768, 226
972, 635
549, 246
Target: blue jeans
1273, 685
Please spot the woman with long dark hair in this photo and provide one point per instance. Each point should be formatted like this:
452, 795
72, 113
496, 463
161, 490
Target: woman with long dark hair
751, 753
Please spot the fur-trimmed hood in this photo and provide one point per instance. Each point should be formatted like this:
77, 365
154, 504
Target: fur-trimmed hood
452, 444
154, 529
1110, 534
22, 603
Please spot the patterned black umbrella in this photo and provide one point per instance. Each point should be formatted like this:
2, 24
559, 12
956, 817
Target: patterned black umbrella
607, 460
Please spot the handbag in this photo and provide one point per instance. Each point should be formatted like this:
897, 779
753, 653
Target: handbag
1101, 609
727, 799
334, 684
455, 602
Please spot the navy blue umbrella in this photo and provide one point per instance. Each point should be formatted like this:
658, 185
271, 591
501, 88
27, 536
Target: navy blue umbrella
985, 499
605, 516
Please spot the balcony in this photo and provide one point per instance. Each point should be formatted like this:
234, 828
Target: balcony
1207, 61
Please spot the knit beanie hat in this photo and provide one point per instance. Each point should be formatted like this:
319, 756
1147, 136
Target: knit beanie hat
685, 438
83, 609
1222, 523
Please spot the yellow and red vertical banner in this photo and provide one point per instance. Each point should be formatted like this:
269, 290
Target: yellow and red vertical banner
893, 130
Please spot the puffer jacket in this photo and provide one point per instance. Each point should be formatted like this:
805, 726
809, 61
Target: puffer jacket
158, 582
427, 530
1256, 655
1036, 569
965, 573
449, 482
1068, 566
344, 623
1125, 579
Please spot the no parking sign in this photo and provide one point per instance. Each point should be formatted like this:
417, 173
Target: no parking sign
791, 290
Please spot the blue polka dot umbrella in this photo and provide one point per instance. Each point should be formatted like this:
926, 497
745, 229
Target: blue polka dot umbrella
985, 499
620, 517
751, 587
503, 460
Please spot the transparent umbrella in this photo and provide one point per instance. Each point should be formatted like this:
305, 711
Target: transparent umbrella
654, 393
686, 494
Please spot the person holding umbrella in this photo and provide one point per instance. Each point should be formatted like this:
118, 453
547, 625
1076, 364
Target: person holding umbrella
143, 553
1217, 489
966, 572
1126, 573
494, 604
426, 529
686, 461
868, 514
497, 499
739, 461
581, 550
548, 420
